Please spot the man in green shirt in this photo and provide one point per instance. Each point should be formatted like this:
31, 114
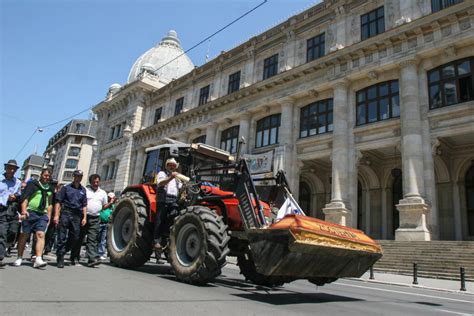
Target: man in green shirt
35, 214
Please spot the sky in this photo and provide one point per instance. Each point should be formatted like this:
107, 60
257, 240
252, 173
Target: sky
59, 57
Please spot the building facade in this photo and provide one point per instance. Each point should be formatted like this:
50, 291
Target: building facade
368, 106
71, 148
32, 166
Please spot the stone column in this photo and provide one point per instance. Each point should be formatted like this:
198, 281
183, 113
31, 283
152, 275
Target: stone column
244, 131
336, 211
211, 131
285, 138
384, 214
413, 209
183, 137
123, 170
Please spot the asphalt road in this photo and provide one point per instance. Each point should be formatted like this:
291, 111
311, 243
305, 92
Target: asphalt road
153, 289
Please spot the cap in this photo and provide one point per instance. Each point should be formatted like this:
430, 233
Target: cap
77, 173
12, 162
111, 195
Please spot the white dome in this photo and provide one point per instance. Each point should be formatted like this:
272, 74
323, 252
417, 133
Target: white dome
166, 50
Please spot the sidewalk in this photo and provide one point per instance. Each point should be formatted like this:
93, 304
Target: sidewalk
406, 280
427, 283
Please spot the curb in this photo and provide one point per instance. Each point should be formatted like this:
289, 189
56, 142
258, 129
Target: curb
418, 286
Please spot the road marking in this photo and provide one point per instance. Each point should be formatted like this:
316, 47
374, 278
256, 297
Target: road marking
400, 292
446, 311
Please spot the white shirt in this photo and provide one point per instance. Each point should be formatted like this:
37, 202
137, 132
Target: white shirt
172, 187
95, 200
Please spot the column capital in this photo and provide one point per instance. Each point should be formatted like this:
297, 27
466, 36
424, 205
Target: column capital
246, 115
341, 84
287, 101
410, 61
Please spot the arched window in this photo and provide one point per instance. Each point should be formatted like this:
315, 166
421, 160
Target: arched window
316, 118
229, 139
267, 131
470, 199
451, 83
200, 139
378, 102
305, 197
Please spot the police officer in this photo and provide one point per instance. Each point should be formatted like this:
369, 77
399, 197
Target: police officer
166, 203
70, 214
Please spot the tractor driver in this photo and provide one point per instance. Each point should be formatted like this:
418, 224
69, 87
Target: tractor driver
166, 203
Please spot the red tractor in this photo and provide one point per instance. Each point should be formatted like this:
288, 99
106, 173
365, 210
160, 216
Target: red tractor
227, 212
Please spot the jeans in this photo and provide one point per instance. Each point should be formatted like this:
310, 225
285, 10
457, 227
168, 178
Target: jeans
102, 239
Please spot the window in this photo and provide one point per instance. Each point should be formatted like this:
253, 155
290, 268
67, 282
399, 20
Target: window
270, 66
157, 117
67, 175
80, 128
74, 151
378, 102
451, 83
229, 139
267, 130
203, 95
71, 163
372, 23
118, 131
315, 47
200, 139
179, 106
112, 133
234, 82
437, 5
316, 118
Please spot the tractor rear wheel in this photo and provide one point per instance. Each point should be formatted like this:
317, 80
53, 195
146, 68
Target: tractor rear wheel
249, 271
198, 245
130, 234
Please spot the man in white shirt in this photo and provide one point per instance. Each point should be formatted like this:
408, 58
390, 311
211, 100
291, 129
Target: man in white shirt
166, 203
96, 201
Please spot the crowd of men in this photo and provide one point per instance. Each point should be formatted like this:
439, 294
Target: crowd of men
45, 212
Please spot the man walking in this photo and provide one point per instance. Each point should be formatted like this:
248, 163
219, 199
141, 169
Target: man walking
9, 195
96, 201
36, 207
70, 214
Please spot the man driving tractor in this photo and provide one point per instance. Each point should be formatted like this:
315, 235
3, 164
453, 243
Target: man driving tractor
166, 203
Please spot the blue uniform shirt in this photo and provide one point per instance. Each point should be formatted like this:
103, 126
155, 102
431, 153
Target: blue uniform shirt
8, 187
71, 197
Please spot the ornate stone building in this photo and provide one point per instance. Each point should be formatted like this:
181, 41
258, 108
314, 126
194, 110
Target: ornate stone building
368, 106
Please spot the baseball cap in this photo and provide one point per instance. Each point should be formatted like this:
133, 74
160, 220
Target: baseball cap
77, 173
111, 195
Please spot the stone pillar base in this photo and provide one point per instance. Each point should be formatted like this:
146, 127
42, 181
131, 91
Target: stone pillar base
336, 212
413, 215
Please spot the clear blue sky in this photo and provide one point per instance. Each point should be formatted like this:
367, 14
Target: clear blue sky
58, 57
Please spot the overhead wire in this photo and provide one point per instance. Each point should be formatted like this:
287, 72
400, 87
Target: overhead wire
40, 128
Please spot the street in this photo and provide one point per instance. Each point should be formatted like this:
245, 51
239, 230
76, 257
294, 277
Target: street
152, 289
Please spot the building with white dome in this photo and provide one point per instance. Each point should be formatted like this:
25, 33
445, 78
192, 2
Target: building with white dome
368, 106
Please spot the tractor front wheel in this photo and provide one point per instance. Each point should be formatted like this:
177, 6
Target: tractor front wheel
198, 245
130, 234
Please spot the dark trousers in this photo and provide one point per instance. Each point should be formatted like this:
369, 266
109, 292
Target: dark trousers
69, 229
91, 229
165, 215
3, 231
50, 238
